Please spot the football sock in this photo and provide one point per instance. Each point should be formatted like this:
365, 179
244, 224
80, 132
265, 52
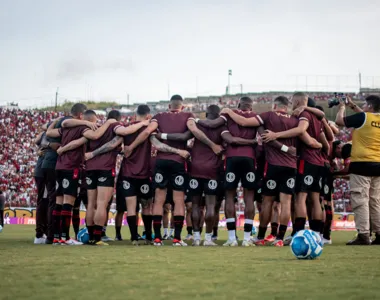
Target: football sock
104, 229
147, 219
132, 227
189, 230
274, 227
329, 217
97, 233
178, 224
215, 231
76, 220
90, 230
231, 227
200, 230
157, 226
262, 231
197, 235
248, 225
118, 231
208, 237
66, 216
322, 227
2, 217
166, 231
299, 224
171, 232
315, 225
281, 232
57, 221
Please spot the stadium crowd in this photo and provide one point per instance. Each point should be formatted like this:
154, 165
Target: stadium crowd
18, 128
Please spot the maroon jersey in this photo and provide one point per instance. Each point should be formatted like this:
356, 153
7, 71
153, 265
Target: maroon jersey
137, 165
204, 162
105, 161
72, 159
242, 132
312, 156
172, 122
277, 122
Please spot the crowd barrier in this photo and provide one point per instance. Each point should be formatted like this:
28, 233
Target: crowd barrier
27, 215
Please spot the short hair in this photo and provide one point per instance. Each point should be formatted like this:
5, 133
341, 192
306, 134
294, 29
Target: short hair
300, 94
346, 151
374, 101
213, 110
246, 99
335, 144
143, 110
89, 113
77, 109
176, 101
281, 101
311, 102
320, 108
176, 98
114, 114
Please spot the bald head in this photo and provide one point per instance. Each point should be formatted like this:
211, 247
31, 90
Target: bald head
299, 99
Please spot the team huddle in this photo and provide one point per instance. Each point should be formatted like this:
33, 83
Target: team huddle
276, 156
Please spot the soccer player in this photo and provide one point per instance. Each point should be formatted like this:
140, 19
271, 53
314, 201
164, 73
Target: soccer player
170, 167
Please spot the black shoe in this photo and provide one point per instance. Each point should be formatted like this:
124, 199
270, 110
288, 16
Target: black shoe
48, 242
139, 238
360, 240
376, 241
119, 238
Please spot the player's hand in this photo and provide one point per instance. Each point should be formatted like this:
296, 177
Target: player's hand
41, 152
146, 122
226, 111
183, 153
342, 104
269, 136
292, 151
298, 111
127, 151
88, 156
91, 125
217, 149
59, 151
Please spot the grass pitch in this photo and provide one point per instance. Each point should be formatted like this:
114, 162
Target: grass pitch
121, 271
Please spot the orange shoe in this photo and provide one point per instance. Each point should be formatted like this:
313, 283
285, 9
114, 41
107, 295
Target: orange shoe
270, 239
278, 243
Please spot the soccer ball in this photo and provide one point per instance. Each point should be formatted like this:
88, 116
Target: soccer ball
305, 245
254, 231
83, 236
318, 238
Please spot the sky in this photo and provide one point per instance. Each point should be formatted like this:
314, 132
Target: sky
106, 50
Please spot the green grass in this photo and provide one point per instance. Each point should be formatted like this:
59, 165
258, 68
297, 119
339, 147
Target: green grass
121, 271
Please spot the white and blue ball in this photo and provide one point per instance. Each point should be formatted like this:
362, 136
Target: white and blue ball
305, 245
83, 236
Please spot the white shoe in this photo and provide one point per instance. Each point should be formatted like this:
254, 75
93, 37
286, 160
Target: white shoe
209, 244
196, 243
288, 240
230, 243
107, 239
39, 241
158, 243
179, 244
44, 236
72, 242
189, 237
326, 241
247, 243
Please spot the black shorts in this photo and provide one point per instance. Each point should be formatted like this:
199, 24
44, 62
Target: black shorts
240, 169
67, 182
309, 177
169, 173
259, 191
103, 178
139, 187
82, 193
328, 185
198, 186
120, 199
278, 179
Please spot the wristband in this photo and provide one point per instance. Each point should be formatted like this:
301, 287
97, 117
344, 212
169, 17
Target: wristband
196, 120
284, 148
164, 136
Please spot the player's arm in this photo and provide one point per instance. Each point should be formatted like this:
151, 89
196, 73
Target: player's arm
333, 127
324, 142
240, 120
179, 137
200, 135
140, 138
123, 131
72, 145
309, 141
303, 125
315, 111
230, 139
277, 145
328, 131
166, 148
211, 123
53, 132
38, 139
69, 123
107, 147
94, 135
45, 126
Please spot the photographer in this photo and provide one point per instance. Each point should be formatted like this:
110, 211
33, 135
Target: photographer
364, 168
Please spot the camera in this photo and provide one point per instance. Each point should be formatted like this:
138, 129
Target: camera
336, 100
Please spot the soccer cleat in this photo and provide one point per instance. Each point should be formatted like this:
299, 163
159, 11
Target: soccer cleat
214, 238
39, 241
259, 242
326, 241
196, 243
119, 239
48, 242
140, 238
179, 243
56, 242
270, 239
247, 244
188, 237
288, 240
44, 236
230, 243
209, 244
135, 243
158, 242
72, 242
101, 243
106, 239
147, 242
278, 243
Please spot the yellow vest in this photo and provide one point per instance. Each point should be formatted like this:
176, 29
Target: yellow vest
366, 140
